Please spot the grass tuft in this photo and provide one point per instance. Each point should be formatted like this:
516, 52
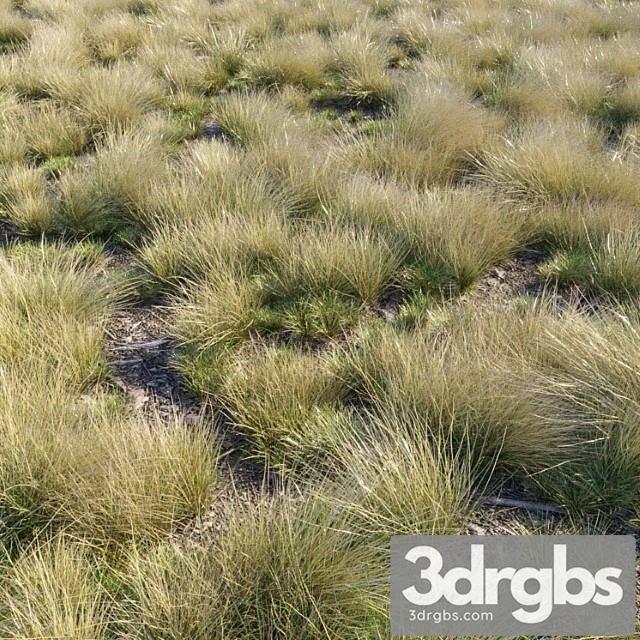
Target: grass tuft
53, 591
25, 201
108, 194
359, 62
559, 163
431, 139
278, 399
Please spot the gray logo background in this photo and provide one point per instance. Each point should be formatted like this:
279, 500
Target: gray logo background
590, 552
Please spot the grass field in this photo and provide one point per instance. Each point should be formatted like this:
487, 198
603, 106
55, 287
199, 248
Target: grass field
279, 280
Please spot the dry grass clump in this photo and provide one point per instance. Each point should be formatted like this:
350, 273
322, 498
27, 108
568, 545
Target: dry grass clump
447, 381
55, 54
13, 147
621, 105
299, 61
355, 262
595, 359
285, 566
53, 305
179, 66
586, 76
432, 139
559, 163
209, 179
14, 28
145, 477
251, 118
450, 238
567, 379
25, 201
313, 576
262, 20
221, 309
363, 200
81, 465
618, 57
62, 10
473, 51
226, 47
414, 31
51, 131
610, 266
360, 61
279, 398
318, 557
107, 194
285, 164
629, 144
458, 233
53, 591
171, 588
596, 21
523, 97
115, 37
397, 478
141, 476
39, 131
315, 318
312, 562
110, 98
478, 63
207, 244
297, 165
581, 225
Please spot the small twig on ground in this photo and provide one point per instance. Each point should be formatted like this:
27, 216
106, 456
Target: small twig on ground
523, 504
119, 363
143, 345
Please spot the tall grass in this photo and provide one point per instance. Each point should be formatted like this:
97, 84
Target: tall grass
209, 179
306, 189
397, 476
449, 238
251, 118
14, 28
25, 201
568, 380
208, 244
53, 592
461, 234
115, 37
179, 67
310, 562
141, 476
432, 139
109, 193
55, 54
296, 165
80, 465
356, 262
109, 98
279, 399
221, 309
448, 382
299, 61
595, 359
609, 266
559, 163
53, 306
286, 565
360, 62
